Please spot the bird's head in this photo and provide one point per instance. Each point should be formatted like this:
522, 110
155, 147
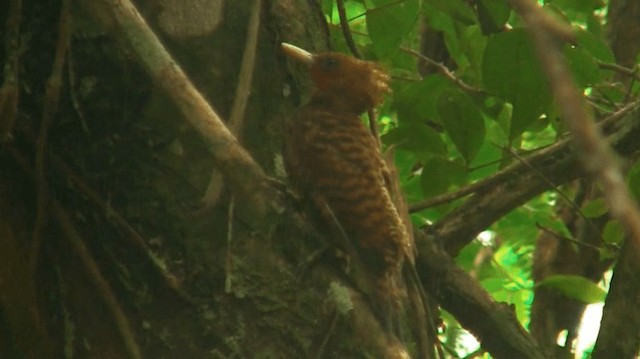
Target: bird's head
346, 82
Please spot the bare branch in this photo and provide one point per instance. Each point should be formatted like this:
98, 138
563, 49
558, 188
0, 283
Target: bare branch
52, 100
236, 120
633, 73
238, 167
448, 74
346, 31
517, 184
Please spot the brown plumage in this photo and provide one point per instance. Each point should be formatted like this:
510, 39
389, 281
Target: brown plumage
332, 159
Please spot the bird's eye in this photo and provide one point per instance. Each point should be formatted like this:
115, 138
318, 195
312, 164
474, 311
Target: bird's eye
330, 63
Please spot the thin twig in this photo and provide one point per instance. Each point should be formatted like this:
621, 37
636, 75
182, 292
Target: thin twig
228, 267
243, 90
73, 94
346, 31
51, 103
348, 37
238, 109
633, 72
448, 74
595, 154
330, 332
569, 239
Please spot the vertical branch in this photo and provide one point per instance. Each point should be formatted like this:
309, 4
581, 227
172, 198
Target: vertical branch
10, 90
51, 102
348, 36
346, 31
243, 90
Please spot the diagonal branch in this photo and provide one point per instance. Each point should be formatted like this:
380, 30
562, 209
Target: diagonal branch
243, 90
517, 184
245, 176
494, 324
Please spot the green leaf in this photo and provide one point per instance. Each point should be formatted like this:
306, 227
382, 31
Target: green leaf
583, 66
511, 70
389, 23
583, 58
634, 180
595, 208
594, 45
419, 139
575, 287
493, 15
416, 101
472, 43
462, 120
613, 232
458, 10
438, 174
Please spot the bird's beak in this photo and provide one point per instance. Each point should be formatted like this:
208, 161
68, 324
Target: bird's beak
297, 54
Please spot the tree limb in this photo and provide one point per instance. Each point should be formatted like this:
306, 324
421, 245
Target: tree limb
494, 324
240, 170
517, 184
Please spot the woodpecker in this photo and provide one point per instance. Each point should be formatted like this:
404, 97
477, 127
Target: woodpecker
333, 160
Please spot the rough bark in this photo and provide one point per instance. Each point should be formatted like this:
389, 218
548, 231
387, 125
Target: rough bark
619, 335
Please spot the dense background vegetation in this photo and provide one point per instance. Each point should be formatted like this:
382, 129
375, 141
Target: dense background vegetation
133, 224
